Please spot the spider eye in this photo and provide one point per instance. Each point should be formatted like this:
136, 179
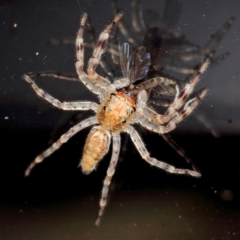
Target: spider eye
112, 100
129, 111
122, 119
106, 109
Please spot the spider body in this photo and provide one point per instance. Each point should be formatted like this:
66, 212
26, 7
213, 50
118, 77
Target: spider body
116, 112
121, 105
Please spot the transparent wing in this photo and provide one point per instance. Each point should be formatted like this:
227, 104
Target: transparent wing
138, 64
134, 64
125, 52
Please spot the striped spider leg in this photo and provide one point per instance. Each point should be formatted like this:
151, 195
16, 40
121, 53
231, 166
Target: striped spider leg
121, 104
153, 121
172, 115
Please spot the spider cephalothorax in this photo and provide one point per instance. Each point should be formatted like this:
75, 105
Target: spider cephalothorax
116, 112
121, 104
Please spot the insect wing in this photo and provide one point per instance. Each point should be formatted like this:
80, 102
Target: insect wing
125, 51
135, 63
139, 63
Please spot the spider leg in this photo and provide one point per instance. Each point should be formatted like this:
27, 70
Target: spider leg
153, 161
58, 41
220, 58
104, 64
179, 100
167, 137
217, 36
156, 101
203, 119
179, 150
84, 79
80, 45
98, 52
172, 143
54, 75
80, 60
153, 125
110, 172
202, 52
179, 69
123, 26
62, 105
91, 44
91, 33
153, 82
189, 106
64, 138
137, 17
159, 102
113, 46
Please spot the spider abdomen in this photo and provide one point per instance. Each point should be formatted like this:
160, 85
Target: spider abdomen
96, 146
116, 112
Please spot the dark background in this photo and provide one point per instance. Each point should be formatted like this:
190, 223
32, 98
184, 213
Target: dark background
57, 201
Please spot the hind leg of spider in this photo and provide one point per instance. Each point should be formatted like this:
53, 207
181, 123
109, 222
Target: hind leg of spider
110, 172
153, 161
64, 138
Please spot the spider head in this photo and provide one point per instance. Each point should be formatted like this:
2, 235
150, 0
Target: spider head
116, 112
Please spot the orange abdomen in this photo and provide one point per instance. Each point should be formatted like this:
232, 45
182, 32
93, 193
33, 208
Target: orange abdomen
96, 146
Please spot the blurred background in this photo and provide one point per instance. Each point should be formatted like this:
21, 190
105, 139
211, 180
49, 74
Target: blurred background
57, 201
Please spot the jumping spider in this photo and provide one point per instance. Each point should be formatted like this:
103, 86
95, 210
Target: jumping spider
121, 104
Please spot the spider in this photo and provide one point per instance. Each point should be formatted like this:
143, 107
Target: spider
121, 105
